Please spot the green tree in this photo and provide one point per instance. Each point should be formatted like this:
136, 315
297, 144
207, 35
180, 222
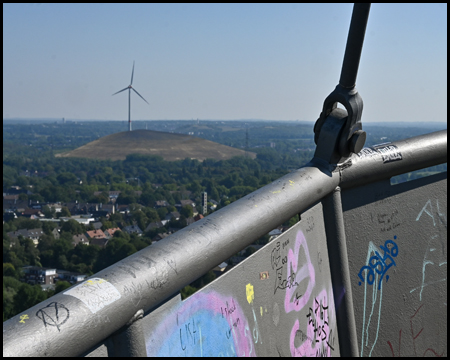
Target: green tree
48, 227
187, 211
116, 250
64, 212
66, 178
9, 270
48, 211
187, 291
61, 286
162, 212
28, 296
73, 227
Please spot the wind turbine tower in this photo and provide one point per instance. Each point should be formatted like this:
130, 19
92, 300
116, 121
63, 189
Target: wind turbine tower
129, 87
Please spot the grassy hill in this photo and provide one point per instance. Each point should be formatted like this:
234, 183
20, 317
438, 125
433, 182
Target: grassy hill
146, 142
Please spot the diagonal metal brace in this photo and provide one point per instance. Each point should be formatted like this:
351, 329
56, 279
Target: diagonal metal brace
348, 136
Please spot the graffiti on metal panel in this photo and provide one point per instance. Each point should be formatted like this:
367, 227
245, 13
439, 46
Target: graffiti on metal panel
295, 275
380, 264
435, 252
54, 314
301, 280
206, 324
318, 339
318, 320
373, 300
388, 221
278, 263
418, 337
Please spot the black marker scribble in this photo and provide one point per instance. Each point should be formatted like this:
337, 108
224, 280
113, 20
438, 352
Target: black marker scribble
54, 314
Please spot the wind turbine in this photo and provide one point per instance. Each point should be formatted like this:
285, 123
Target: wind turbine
129, 87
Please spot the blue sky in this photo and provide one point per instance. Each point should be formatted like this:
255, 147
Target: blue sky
219, 61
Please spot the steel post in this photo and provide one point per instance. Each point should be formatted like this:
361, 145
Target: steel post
340, 273
355, 41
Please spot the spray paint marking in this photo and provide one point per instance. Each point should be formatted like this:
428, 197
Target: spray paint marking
249, 292
318, 340
381, 264
297, 276
206, 324
366, 325
435, 252
23, 318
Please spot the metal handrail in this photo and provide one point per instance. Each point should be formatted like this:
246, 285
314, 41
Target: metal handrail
59, 326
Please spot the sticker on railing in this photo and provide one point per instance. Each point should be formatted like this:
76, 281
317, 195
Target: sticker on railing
96, 293
388, 153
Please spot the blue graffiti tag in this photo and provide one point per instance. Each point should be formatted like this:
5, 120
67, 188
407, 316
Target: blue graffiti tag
380, 264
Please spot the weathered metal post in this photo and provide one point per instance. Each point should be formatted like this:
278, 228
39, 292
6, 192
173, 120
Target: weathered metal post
340, 274
338, 134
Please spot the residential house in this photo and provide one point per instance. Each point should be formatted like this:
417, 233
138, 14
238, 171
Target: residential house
12, 202
9, 215
56, 206
154, 225
160, 236
109, 233
69, 276
161, 203
113, 195
56, 232
173, 215
82, 219
74, 207
184, 203
133, 229
33, 234
102, 242
95, 234
97, 225
220, 269
198, 217
77, 239
109, 208
275, 233
123, 209
214, 202
11, 198
32, 213
37, 275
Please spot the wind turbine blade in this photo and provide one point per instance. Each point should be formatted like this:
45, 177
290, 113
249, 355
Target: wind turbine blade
132, 72
121, 90
140, 95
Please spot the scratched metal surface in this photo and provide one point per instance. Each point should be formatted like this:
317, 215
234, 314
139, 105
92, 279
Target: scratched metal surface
277, 302
400, 295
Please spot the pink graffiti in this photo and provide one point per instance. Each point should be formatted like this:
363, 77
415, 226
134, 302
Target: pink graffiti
318, 332
216, 305
306, 272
